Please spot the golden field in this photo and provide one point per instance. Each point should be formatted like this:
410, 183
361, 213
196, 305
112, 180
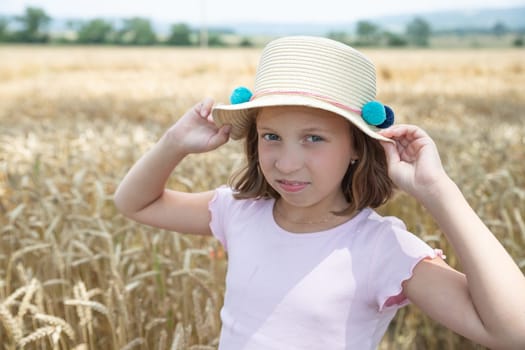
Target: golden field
74, 274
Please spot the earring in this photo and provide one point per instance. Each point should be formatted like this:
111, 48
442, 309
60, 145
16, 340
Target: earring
353, 161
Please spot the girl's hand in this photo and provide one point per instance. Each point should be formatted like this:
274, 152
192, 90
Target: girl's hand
195, 131
413, 161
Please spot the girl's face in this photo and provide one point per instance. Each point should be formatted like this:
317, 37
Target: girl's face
304, 154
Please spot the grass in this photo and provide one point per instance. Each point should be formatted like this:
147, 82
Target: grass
74, 274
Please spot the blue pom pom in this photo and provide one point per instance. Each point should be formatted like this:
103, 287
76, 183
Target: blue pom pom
373, 113
389, 121
240, 95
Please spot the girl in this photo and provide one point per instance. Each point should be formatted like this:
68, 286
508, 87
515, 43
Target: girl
311, 264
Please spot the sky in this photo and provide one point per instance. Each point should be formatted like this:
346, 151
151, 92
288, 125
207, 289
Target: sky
228, 11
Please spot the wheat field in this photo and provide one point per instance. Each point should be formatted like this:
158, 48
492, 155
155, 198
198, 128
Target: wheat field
75, 274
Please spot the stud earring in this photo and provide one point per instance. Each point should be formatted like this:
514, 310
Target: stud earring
353, 161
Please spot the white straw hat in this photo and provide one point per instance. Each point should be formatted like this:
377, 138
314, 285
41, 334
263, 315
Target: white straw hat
314, 72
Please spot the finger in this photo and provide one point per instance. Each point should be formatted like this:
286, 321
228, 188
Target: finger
206, 106
226, 129
403, 131
391, 152
402, 142
220, 137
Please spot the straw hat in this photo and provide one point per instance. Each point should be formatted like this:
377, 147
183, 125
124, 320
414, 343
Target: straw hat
314, 72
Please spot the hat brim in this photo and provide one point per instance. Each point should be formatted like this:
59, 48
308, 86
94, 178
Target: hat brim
240, 115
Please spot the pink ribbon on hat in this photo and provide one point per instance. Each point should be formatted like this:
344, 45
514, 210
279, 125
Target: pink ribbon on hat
374, 113
308, 94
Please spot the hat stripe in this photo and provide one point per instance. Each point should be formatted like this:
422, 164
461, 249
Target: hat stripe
308, 94
310, 52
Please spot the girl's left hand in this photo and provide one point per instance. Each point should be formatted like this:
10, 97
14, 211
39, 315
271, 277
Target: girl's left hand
413, 161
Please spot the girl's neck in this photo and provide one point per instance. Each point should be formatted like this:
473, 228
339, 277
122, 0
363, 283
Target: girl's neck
304, 220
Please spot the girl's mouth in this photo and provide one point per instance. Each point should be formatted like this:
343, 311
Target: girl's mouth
292, 186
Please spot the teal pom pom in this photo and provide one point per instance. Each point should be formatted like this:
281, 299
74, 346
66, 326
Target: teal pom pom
373, 113
240, 95
389, 121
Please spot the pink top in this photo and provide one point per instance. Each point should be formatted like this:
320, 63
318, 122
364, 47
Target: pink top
334, 289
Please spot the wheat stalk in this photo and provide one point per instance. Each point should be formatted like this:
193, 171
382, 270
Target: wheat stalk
161, 345
178, 342
39, 334
11, 326
135, 342
88, 305
84, 313
25, 304
57, 322
211, 321
13, 296
155, 322
82, 346
18, 254
201, 326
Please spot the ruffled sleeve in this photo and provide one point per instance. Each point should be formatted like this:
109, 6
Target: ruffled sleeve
396, 254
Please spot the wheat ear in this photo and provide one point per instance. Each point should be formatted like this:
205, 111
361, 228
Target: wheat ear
38, 334
12, 328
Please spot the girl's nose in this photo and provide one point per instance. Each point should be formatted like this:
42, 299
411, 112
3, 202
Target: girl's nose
288, 161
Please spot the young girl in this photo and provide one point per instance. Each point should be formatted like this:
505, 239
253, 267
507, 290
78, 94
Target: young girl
311, 264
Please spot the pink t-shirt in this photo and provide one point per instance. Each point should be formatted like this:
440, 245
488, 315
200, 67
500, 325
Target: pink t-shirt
334, 289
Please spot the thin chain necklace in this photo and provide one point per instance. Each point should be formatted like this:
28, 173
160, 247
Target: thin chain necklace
326, 219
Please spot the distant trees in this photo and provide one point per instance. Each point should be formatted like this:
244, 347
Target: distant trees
96, 31
395, 40
4, 34
33, 27
215, 40
339, 36
180, 35
133, 31
245, 42
418, 32
367, 33
33, 24
137, 31
499, 29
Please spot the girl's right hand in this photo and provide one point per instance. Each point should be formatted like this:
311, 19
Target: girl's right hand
413, 161
196, 132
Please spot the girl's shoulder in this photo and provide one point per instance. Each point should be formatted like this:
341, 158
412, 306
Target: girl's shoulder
386, 233
224, 199
373, 222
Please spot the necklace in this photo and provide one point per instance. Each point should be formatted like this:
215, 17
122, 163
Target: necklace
324, 220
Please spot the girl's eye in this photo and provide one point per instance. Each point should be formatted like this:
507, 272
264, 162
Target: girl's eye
314, 138
270, 137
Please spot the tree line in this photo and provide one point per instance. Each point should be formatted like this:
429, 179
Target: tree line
33, 27
417, 33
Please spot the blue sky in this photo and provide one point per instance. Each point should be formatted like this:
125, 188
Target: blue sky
224, 11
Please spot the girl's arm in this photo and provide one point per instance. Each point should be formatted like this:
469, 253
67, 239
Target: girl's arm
487, 302
142, 196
